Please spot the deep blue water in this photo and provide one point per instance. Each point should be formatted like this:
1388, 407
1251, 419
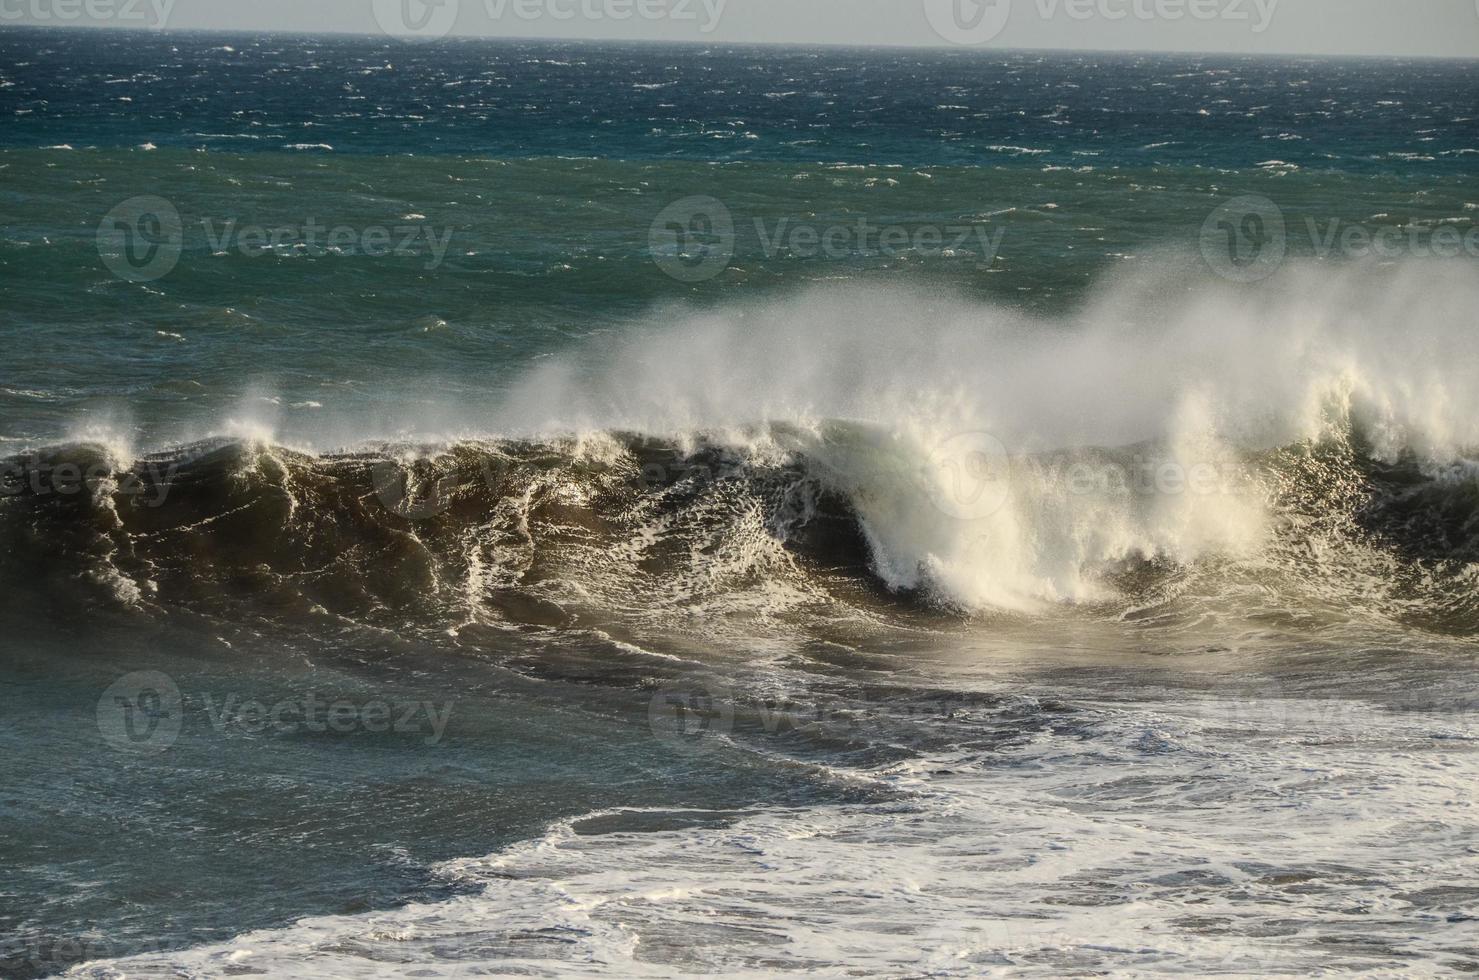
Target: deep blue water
521, 99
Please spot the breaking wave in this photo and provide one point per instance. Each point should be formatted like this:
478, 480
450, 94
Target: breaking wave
1172, 450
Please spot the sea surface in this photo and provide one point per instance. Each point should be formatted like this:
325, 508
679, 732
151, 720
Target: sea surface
475, 508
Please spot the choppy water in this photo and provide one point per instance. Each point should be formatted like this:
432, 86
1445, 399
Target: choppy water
1010, 574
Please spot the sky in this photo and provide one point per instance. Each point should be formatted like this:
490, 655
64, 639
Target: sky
1445, 28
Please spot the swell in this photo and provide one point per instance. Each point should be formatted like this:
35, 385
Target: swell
789, 524
1177, 450
408, 537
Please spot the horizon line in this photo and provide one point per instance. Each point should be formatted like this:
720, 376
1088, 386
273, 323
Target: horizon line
412, 41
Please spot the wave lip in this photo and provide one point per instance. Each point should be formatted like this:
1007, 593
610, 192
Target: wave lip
1173, 438
786, 520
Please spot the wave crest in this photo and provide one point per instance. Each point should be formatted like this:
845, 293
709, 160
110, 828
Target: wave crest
789, 524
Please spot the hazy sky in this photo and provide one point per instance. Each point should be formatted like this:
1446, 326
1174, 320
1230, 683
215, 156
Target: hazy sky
1420, 27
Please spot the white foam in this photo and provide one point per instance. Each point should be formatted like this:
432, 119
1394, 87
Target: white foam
891, 396
1175, 837
1194, 375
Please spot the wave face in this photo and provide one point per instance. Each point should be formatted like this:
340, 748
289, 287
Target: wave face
1314, 436
781, 524
876, 575
998, 815
1161, 446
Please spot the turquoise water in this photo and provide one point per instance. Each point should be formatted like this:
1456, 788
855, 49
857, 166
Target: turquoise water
521, 183
622, 465
542, 255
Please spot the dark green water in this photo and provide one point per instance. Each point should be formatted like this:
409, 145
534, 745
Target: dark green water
580, 420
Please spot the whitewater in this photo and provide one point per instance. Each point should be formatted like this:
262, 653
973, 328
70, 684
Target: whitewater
991, 460
1020, 598
1093, 623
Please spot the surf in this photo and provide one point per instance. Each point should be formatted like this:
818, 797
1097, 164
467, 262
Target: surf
1171, 438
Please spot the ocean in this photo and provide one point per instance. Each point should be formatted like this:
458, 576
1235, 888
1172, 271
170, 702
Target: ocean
541, 508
